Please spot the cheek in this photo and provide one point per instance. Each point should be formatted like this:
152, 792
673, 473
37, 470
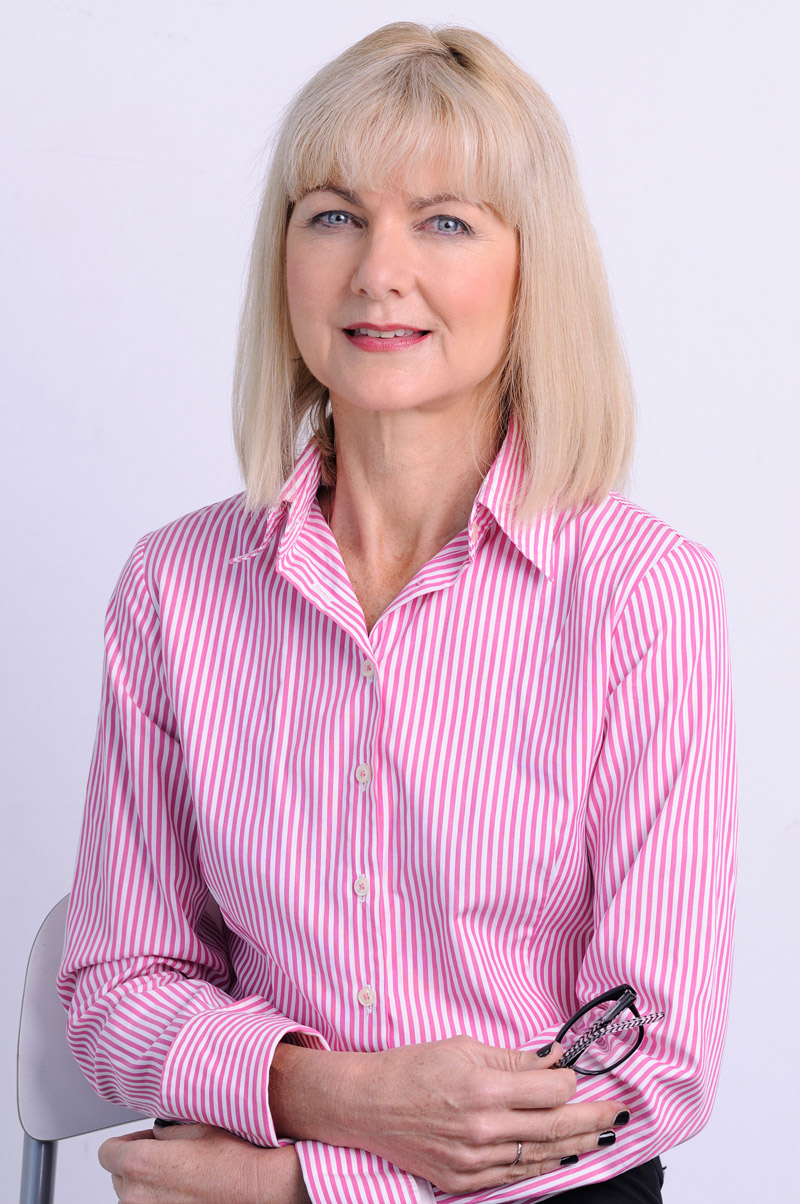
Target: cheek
485, 301
306, 309
487, 283
299, 290
500, 286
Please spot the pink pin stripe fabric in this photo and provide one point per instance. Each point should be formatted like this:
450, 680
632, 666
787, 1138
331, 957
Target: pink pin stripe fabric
516, 792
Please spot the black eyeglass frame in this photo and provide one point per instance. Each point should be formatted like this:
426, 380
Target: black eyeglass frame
620, 997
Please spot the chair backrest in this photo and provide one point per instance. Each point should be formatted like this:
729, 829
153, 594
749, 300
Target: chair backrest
54, 1099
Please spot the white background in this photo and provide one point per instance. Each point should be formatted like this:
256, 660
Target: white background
130, 175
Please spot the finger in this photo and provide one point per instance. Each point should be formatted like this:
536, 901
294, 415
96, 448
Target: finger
498, 1058
538, 1059
520, 1083
112, 1149
536, 1153
559, 1164
500, 1166
530, 1088
181, 1132
546, 1127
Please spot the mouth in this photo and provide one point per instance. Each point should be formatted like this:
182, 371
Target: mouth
385, 338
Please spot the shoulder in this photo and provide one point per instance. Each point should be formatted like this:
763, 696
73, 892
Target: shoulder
204, 543
623, 549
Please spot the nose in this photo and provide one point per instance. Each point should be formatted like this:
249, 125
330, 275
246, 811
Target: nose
385, 264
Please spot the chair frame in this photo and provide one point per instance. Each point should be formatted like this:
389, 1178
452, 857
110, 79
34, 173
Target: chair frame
54, 1099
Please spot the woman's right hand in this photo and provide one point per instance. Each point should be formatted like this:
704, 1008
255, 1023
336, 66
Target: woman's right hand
449, 1111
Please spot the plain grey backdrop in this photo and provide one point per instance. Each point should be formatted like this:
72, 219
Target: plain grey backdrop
130, 166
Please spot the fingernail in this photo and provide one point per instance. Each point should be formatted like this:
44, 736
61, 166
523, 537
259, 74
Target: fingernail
570, 1160
158, 1123
607, 1138
544, 1051
622, 1117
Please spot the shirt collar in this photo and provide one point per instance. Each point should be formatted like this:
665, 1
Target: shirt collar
293, 504
496, 498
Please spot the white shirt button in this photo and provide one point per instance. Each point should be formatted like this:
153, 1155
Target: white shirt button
368, 670
361, 886
367, 997
363, 774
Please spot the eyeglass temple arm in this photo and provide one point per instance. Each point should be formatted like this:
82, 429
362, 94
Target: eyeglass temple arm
622, 997
571, 1055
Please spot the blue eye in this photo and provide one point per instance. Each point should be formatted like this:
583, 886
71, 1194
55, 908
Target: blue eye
450, 225
333, 217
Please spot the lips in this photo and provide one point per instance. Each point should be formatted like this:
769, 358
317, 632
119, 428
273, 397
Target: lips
385, 338
385, 332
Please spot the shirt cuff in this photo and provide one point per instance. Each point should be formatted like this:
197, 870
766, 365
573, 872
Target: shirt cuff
335, 1175
217, 1070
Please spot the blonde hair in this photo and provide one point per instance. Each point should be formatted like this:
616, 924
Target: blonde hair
402, 98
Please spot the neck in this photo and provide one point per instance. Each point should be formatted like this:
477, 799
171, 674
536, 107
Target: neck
405, 483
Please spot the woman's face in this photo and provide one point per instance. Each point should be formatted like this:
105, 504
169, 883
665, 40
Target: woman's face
400, 301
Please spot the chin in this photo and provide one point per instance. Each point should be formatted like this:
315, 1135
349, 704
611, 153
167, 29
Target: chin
380, 400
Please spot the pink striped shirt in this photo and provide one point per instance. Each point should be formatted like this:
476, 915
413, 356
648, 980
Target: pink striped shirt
515, 792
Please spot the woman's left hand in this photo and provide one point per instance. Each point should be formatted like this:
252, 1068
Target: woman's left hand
198, 1164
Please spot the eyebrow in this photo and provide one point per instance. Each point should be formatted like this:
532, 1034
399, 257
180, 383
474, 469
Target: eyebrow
350, 197
416, 203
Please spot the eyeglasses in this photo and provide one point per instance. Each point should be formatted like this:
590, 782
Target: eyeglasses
606, 1030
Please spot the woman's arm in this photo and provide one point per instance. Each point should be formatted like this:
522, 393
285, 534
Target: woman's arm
450, 1112
418, 1103
661, 834
145, 973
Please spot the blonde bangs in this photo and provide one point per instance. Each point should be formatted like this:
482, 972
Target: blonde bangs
396, 127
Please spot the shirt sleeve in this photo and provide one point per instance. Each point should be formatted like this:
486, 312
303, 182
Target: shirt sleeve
145, 975
335, 1175
661, 835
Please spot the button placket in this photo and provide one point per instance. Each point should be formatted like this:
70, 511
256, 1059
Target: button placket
366, 993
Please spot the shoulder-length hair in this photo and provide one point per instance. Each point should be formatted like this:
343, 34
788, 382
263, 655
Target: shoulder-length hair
399, 100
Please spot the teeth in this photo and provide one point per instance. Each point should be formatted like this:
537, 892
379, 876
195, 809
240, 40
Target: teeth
384, 334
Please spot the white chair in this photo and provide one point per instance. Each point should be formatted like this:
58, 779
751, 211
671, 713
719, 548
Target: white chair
54, 1099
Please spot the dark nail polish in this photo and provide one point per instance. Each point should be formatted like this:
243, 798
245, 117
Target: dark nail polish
607, 1138
544, 1051
158, 1123
622, 1117
570, 1160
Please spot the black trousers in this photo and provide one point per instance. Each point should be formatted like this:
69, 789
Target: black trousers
642, 1185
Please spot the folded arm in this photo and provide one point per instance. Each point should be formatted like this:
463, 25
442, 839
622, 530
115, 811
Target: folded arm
145, 974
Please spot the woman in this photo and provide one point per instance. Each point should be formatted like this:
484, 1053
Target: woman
441, 723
